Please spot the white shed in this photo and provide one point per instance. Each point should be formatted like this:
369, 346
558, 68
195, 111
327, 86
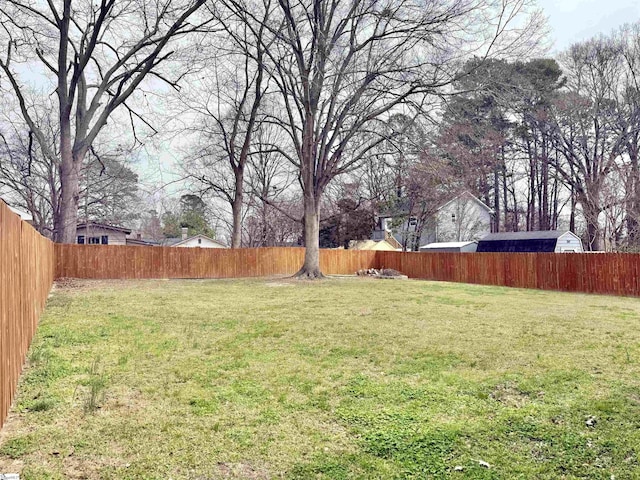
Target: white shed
451, 247
569, 242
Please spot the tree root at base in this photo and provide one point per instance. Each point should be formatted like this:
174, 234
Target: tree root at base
305, 274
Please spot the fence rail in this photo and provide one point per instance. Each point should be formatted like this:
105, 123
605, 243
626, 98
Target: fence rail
26, 275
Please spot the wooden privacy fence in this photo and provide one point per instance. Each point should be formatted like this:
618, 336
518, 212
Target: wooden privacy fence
29, 263
26, 275
604, 273
104, 261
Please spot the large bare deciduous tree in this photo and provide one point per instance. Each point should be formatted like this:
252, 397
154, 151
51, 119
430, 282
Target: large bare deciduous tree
629, 125
108, 188
95, 56
585, 129
227, 100
342, 68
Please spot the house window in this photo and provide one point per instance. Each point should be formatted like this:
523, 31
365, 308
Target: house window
93, 240
105, 240
413, 221
80, 239
199, 241
453, 218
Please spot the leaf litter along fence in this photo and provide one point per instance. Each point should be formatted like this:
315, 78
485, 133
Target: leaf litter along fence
29, 263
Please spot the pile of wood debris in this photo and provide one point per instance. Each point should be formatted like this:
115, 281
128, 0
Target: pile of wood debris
382, 273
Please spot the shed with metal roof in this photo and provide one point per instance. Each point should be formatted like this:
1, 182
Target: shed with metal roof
450, 247
537, 241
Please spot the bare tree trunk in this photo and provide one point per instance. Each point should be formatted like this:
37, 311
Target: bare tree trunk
516, 215
496, 197
311, 267
544, 219
263, 240
236, 209
591, 213
633, 196
572, 217
505, 192
68, 218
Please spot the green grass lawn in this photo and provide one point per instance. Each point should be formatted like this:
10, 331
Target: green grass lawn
345, 378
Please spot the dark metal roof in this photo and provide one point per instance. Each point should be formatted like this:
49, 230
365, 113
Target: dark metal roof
89, 225
168, 242
536, 235
139, 241
531, 245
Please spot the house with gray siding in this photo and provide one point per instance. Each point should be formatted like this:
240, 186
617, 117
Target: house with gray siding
464, 218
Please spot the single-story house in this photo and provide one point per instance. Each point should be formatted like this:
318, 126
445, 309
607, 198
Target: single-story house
450, 247
93, 233
195, 241
537, 241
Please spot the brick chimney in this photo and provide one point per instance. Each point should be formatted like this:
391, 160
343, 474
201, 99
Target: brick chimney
185, 233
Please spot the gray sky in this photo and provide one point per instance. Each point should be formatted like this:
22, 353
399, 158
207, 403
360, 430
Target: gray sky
575, 20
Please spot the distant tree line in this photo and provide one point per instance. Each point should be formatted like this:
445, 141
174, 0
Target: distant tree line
302, 121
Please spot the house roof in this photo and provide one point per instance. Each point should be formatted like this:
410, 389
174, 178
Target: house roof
522, 242
471, 196
174, 242
21, 213
141, 242
372, 245
170, 242
104, 226
534, 235
448, 244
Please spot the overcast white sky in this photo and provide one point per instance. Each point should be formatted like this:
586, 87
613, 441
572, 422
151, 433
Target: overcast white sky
574, 20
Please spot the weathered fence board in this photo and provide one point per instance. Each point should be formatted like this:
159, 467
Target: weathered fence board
26, 274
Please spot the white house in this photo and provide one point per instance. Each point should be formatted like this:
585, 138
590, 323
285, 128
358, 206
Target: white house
196, 241
464, 218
